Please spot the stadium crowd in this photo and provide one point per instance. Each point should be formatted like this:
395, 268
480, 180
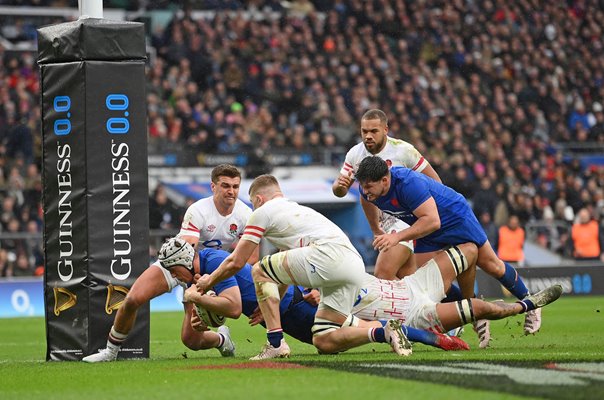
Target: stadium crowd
493, 93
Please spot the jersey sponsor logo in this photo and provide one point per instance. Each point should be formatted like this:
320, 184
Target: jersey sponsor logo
211, 228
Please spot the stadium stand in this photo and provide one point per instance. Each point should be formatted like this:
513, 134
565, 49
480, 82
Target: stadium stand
505, 99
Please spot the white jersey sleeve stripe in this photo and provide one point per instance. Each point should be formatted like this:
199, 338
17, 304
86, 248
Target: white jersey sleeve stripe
195, 231
421, 164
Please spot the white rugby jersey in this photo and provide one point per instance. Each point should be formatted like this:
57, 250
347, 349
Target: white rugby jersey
396, 153
382, 299
203, 220
288, 225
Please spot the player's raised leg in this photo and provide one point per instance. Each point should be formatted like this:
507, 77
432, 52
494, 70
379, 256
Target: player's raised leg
452, 315
150, 284
508, 276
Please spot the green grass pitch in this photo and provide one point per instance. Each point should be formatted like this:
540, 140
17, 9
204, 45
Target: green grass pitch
563, 361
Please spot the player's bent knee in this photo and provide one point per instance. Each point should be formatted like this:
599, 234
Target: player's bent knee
266, 291
194, 342
324, 344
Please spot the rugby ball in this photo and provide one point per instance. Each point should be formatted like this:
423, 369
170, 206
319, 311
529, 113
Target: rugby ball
209, 318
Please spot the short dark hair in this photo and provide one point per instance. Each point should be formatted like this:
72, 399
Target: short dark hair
227, 170
374, 113
371, 169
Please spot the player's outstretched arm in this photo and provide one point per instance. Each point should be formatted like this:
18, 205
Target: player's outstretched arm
229, 267
226, 303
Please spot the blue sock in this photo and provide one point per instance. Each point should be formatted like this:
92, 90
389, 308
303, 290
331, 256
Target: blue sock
513, 282
274, 337
419, 335
527, 305
378, 335
383, 322
454, 294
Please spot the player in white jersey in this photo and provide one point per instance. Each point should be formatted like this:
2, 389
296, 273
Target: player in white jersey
399, 261
415, 299
218, 222
203, 223
316, 253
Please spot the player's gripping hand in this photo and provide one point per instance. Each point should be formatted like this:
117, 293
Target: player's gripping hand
345, 180
342, 184
203, 283
312, 297
188, 294
198, 324
256, 317
385, 241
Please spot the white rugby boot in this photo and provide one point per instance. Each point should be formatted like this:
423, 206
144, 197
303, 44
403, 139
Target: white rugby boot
268, 351
228, 346
482, 327
104, 355
532, 321
397, 338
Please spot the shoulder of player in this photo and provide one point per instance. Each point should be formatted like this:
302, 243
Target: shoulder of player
398, 142
402, 172
356, 151
202, 204
241, 206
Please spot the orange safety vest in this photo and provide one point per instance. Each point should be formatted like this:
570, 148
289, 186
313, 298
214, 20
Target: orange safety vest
586, 240
510, 244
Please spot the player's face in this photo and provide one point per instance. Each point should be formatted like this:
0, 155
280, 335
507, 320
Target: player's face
373, 190
226, 190
181, 274
373, 133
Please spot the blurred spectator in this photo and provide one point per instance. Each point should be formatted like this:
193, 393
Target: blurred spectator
490, 228
586, 237
510, 246
163, 213
5, 265
491, 92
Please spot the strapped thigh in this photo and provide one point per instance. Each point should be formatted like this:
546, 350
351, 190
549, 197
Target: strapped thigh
465, 311
271, 264
458, 259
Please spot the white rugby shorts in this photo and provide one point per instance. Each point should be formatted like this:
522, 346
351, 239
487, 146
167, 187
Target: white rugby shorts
335, 269
391, 224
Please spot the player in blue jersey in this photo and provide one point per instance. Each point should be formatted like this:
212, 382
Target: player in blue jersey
297, 308
439, 217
